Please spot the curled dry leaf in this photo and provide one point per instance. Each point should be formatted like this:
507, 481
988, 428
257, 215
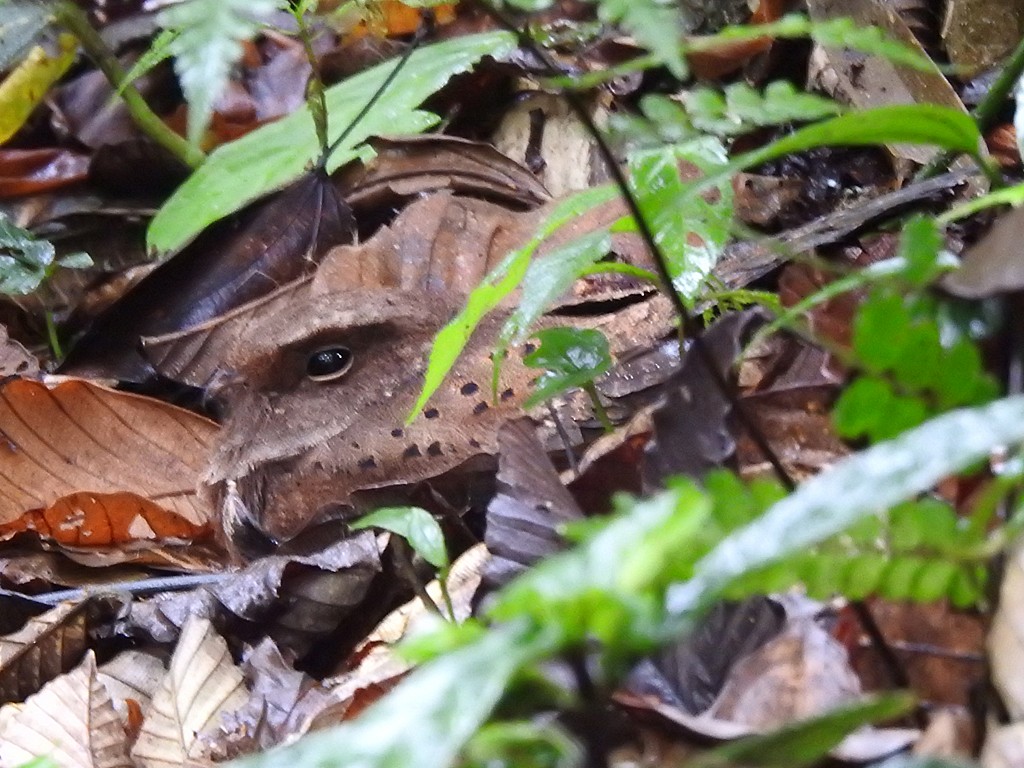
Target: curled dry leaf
374, 666
201, 684
86, 465
48, 645
295, 598
524, 517
72, 721
282, 703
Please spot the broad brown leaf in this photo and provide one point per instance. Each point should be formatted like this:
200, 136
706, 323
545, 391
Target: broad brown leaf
30, 171
72, 721
88, 465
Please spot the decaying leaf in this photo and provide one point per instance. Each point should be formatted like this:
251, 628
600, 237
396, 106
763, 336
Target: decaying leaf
282, 702
45, 647
871, 81
15, 360
992, 265
104, 467
132, 676
71, 721
531, 503
375, 667
201, 684
294, 598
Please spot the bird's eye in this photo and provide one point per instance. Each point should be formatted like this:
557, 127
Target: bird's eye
328, 363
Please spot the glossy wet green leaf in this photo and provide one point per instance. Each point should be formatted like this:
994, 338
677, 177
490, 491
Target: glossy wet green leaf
569, 357
274, 155
415, 525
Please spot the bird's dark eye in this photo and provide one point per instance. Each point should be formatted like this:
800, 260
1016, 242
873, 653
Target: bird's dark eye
328, 363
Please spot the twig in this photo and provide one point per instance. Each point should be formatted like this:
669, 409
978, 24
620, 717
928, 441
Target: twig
74, 18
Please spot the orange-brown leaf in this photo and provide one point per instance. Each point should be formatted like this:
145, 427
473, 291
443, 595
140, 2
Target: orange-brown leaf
94, 465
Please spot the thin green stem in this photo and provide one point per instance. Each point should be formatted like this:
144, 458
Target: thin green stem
599, 410
442, 583
51, 333
75, 20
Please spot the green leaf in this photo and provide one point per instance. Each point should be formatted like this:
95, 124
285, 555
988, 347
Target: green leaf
159, 50
415, 525
29, 82
274, 155
547, 279
524, 744
570, 357
858, 486
880, 331
609, 588
656, 24
808, 741
427, 718
75, 261
742, 108
835, 33
920, 245
692, 230
494, 288
206, 41
24, 261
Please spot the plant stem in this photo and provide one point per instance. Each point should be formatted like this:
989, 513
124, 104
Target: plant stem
74, 19
51, 333
599, 410
442, 583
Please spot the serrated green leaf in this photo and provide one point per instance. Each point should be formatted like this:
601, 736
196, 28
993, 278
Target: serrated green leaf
159, 50
860, 407
25, 262
878, 477
742, 108
206, 41
656, 24
570, 357
274, 155
880, 331
920, 244
691, 230
415, 525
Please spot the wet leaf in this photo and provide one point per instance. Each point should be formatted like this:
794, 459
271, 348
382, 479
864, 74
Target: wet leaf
415, 525
857, 486
30, 171
72, 721
569, 357
273, 156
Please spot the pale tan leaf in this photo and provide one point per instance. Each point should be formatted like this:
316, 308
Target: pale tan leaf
74, 450
201, 684
71, 720
1006, 636
132, 675
46, 646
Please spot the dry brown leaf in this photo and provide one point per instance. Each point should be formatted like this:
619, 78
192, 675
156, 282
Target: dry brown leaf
15, 360
201, 684
1006, 637
71, 720
48, 645
96, 466
377, 666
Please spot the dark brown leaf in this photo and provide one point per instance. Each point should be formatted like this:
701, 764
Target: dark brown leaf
48, 645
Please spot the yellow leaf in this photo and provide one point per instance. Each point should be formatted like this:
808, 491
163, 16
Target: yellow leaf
26, 86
